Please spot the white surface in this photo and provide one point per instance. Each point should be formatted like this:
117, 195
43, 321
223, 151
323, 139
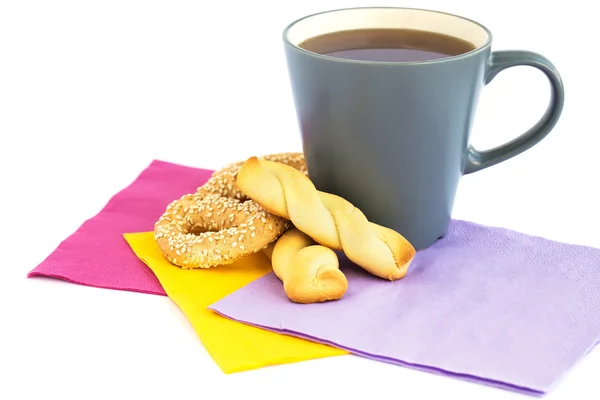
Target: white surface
92, 91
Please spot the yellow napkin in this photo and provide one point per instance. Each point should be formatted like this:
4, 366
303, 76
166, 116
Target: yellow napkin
234, 346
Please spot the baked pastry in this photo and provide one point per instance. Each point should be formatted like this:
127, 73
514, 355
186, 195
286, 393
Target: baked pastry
310, 272
207, 231
328, 219
218, 224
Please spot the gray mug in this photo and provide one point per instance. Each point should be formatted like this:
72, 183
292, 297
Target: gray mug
393, 137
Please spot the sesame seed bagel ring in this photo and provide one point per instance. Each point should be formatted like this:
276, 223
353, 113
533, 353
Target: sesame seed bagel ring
218, 224
208, 231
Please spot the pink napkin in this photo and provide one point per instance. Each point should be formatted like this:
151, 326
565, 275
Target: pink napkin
485, 304
97, 255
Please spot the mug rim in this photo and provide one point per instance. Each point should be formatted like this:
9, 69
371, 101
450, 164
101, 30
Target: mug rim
477, 50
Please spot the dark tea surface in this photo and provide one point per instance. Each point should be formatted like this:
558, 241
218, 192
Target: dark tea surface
389, 45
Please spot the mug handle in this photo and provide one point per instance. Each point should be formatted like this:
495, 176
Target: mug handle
499, 61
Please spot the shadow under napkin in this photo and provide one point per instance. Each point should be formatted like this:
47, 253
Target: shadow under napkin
483, 304
234, 346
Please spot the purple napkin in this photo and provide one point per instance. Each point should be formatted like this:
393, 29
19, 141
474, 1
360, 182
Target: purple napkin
483, 304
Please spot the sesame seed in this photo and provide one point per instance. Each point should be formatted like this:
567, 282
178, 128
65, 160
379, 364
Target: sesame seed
210, 213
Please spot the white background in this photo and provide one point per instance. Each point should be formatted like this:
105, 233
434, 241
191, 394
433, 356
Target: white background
92, 91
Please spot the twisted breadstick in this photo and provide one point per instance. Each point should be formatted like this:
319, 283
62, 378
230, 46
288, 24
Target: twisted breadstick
328, 219
310, 273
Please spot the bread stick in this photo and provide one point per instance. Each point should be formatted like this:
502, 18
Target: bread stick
329, 220
310, 273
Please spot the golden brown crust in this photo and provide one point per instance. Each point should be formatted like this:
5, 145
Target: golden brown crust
310, 273
328, 219
293, 159
204, 232
223, 181
219, 224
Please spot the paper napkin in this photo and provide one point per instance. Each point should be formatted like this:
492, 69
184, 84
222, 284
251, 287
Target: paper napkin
234, 346
485, 304
97, 255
